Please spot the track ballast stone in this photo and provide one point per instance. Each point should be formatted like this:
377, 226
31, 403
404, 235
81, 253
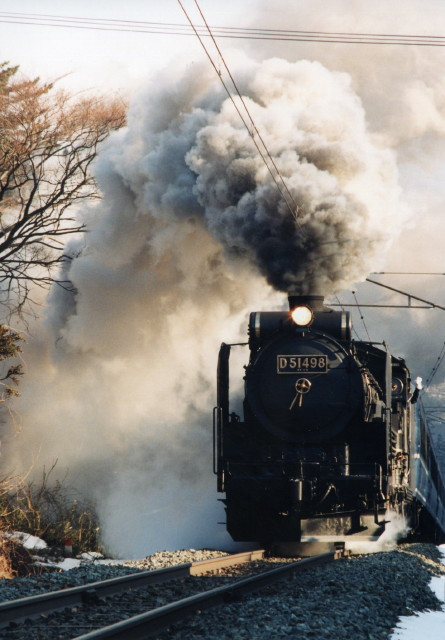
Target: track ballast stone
360, 598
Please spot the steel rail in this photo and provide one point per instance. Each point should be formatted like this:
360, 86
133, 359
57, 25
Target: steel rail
203, 566
140, 626
23, 608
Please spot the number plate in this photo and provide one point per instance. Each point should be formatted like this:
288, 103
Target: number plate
302, 364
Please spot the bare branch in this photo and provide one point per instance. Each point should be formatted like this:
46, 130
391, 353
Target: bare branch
48, 141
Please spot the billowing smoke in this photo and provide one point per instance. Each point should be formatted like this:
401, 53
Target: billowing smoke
343, 206
191, 234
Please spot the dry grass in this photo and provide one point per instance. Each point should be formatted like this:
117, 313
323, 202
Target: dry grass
15, 560
50, 510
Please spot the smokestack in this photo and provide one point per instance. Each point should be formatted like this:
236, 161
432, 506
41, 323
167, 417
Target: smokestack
315, 302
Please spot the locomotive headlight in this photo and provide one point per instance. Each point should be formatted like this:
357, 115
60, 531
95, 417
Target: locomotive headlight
302, 316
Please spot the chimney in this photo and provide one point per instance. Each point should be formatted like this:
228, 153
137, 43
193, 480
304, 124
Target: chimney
315, 302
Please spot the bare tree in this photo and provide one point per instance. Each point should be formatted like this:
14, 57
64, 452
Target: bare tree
9, 374
48, 141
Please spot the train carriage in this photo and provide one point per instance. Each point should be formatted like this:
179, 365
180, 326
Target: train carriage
426, 482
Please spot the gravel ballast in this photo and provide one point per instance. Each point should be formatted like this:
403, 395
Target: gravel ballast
94, 571
360, 598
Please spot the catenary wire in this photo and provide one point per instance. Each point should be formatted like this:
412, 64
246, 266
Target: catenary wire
166, 28
441, 356
40, 16
439, 360
436, 367
361, 315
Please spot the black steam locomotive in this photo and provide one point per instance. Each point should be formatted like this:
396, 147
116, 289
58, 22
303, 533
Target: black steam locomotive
328, 440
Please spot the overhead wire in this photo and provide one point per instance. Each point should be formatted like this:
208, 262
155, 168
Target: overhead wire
264, 154
362, 318
441, 356
431, 305
171, 28
435, 368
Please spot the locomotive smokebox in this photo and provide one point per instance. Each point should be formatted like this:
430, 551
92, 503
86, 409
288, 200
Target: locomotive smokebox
336, 323
263, 325
315, 302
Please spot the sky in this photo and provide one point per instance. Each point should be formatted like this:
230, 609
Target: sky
122, 360
105, 60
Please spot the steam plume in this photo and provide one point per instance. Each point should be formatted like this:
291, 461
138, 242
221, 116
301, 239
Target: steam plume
345, 186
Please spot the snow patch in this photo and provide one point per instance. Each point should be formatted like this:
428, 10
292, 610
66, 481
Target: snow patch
32, 543
429, 624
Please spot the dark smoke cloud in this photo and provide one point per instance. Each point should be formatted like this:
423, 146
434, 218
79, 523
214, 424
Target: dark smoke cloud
344, 186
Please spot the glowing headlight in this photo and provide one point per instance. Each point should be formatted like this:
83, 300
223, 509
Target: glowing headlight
302, 316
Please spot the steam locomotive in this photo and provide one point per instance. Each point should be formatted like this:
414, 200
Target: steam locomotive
331, 436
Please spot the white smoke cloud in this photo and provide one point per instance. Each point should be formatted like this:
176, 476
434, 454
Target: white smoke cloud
400, 86
128, 363
121, 378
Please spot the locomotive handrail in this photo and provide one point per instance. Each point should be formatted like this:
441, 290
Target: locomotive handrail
214, 439
383, 343
216, 430
217, 446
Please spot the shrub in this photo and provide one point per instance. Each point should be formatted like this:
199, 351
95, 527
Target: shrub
50, 510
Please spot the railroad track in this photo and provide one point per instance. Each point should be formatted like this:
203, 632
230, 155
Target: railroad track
142, 625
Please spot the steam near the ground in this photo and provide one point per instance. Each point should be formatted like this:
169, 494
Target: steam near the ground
189, 237
396, 528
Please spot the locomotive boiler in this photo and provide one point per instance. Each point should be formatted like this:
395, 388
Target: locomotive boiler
324, 442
